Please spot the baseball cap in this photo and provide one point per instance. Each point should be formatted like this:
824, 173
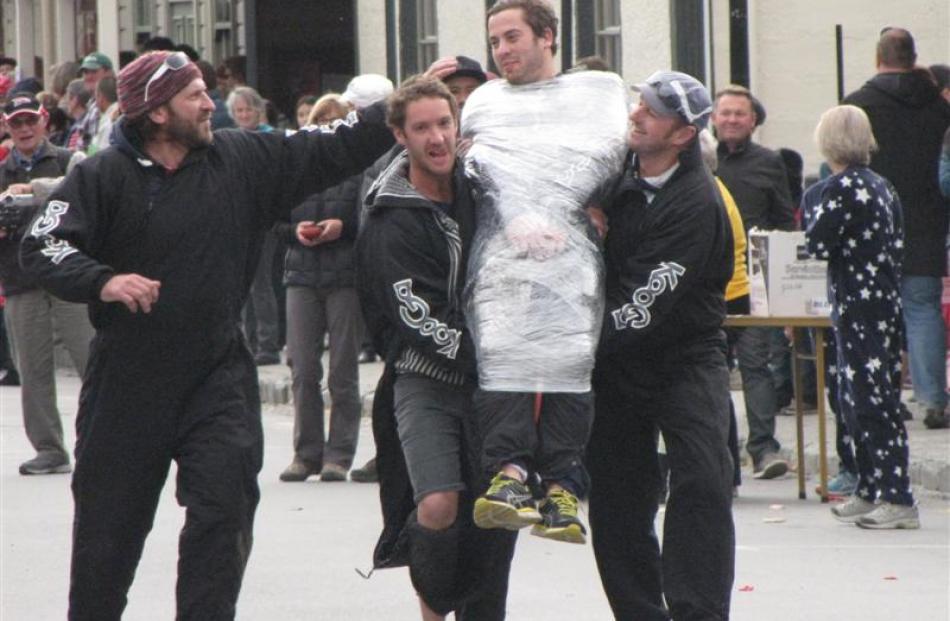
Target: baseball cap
367, 89
96, 60
672, 93
21, 103
467, 67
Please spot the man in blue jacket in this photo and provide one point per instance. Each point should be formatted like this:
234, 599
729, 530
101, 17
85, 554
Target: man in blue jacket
160, 236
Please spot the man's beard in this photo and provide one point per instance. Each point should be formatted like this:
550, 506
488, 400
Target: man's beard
186, 132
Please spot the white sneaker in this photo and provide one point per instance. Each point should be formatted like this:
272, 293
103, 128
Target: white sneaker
888, 515
851, 509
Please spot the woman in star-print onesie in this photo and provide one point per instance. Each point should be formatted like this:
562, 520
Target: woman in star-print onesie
853, 220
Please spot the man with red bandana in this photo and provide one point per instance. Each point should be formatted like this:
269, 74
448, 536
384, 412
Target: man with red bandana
160, 236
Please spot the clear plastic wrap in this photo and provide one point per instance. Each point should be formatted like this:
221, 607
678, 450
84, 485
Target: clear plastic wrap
540, 153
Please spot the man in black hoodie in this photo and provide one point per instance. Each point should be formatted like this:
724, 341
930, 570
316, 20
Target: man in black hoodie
661, 364
909, 118
178, 210
411, 268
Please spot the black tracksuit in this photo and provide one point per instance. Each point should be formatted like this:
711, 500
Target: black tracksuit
661, 364
411, 257
177, 383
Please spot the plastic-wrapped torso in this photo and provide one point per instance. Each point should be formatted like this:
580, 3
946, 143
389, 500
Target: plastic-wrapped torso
540, 154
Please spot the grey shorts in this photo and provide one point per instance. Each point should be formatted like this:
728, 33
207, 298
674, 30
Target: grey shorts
429, 419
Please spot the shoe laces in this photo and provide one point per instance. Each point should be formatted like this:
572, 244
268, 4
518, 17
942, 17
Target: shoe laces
501, 482
565, 502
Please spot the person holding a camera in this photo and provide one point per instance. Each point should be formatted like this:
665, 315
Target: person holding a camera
31, 315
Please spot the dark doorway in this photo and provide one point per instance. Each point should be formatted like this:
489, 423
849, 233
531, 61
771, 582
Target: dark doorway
305, 47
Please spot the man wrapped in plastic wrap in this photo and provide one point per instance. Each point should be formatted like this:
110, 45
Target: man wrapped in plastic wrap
542, 147
540, 153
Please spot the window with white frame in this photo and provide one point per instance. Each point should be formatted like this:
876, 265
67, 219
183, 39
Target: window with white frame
181, 21
143, 20
223, 30
607, 33
427, 33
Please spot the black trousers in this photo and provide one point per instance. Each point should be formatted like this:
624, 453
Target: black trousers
686, 395
554, 447
145, 402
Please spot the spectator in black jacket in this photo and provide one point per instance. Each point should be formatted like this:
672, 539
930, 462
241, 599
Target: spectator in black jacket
662, 364
909, 118
757, 179
176, 209
320, 276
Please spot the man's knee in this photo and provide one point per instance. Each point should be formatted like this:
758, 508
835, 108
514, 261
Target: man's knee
438, 510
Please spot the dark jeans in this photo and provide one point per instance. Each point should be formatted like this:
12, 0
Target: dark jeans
144, 403
758, 390
686, 396
553, 447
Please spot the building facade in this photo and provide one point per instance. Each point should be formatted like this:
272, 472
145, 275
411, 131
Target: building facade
786, 52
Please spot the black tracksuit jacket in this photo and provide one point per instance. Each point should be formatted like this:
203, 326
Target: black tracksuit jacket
668, 263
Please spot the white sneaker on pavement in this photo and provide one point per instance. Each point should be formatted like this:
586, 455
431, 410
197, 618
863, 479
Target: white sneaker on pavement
851, 509
890, 516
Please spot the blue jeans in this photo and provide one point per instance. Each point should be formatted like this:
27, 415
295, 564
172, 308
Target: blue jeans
926, 339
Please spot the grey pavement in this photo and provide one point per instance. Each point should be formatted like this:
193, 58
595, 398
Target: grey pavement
793, 561
929, 449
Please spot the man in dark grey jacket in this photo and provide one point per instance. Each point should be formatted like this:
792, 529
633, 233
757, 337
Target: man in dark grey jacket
756, 177
32, 316
909, 118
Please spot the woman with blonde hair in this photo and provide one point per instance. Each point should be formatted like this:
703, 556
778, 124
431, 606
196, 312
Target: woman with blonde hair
328, 108
853, 220
320, 275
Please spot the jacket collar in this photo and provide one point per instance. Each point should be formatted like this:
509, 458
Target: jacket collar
130, 142
393, 189
17, 161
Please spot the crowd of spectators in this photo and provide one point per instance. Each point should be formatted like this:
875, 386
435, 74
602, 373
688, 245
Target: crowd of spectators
878, 215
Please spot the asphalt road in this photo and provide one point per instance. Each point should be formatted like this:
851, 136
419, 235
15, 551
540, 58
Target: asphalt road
793, 560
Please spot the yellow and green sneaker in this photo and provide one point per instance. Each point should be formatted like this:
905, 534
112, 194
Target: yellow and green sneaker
507, 504
559, 519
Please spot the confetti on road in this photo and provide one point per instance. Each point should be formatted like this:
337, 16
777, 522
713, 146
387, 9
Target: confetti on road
890, 577
746, 588
773, 520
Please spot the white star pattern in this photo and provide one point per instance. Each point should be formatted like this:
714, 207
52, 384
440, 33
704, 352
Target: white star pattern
862, 233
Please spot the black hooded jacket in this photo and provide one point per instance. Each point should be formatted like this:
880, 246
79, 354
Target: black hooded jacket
411, 265
909, 118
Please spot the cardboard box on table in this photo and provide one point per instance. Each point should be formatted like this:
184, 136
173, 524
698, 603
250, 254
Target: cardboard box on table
784, 280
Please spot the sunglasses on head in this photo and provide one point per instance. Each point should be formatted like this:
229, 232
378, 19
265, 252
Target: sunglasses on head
23, 120
172, 62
